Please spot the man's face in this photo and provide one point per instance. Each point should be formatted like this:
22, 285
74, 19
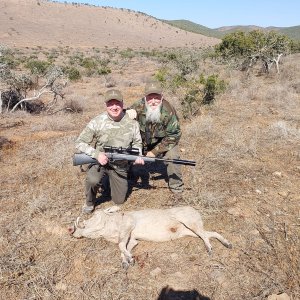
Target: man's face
114, 109
153, 107
153, 100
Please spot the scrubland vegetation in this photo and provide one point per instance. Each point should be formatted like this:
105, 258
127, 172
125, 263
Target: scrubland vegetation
240, 125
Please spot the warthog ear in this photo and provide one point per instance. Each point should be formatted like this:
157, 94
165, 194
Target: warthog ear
111, 210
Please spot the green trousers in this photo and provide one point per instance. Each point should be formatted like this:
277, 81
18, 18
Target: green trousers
173, 171
117, 179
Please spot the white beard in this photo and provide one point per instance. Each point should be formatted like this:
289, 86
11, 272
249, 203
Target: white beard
153, 115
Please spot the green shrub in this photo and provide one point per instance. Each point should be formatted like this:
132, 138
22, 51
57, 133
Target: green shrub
9, 60
201, 92
160, 75
246, 49
191, 102
73, 73
103, 71
88, 63
38, 67
128, 53
177, 81
76, 59
212, 86
295, 46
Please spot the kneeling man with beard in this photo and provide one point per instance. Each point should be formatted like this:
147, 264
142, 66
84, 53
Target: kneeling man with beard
160, 131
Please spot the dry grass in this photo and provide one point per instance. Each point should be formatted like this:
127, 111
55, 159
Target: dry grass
246, 184
96, 27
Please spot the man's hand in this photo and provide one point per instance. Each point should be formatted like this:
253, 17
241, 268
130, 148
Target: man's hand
102, 158
131, 113
139, 161
150, 154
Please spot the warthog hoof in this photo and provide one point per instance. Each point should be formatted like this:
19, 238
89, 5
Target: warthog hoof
229, 246
125, 265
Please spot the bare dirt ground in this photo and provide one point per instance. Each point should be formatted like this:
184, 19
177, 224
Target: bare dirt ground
246, 185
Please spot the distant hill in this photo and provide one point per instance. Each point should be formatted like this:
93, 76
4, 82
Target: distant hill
291, 32
193, 27
30, 23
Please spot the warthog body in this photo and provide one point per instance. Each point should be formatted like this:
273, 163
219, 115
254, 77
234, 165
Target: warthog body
157, 225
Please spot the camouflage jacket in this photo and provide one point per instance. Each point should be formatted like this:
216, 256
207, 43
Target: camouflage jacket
103, 131
158, 137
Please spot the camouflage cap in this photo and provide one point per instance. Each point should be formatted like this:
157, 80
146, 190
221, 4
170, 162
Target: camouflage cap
153, 88
113, 95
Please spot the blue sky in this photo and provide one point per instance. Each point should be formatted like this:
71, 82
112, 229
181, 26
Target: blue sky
214, 13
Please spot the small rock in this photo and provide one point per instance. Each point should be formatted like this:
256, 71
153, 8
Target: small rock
174, 256
297, 198
277, 174
155, 272
266, 229
235, 211
61, 286
179, 274
258, 191
254, 232
283, 193
283, 296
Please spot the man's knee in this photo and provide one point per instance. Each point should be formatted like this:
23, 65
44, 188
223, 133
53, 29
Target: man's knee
94, 175
119, 199
172, 154
119, 187
92, 181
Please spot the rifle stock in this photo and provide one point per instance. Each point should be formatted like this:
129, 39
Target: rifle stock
83, 159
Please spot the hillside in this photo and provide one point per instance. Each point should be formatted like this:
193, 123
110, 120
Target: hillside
30, 23
292, 32
193, 27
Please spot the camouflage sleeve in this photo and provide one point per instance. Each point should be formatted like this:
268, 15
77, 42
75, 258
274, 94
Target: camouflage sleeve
138, 106
83, 142
173, 134
137, 139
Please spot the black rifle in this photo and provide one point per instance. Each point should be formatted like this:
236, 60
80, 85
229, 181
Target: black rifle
131, 154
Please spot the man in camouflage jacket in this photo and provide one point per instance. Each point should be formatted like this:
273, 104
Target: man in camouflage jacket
111, 128
160, 131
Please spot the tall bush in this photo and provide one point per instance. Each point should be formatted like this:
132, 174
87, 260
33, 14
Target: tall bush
248, 48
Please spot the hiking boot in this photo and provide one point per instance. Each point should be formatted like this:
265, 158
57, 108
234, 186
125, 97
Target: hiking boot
88, 209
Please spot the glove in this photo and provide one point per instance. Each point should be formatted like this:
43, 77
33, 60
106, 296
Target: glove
131, 113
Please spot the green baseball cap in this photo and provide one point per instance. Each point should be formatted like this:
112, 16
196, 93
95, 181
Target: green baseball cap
113, 95
153, 88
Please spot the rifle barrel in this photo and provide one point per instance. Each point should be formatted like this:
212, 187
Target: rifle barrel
178, 161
